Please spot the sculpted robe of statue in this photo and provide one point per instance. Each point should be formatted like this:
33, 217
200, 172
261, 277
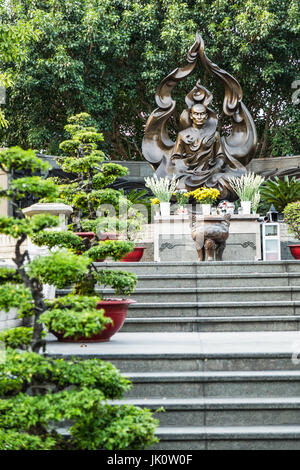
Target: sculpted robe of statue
200, 156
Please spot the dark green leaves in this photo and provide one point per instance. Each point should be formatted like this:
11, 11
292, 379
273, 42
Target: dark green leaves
280, 192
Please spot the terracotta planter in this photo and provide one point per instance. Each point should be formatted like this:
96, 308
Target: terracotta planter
108, 236
116, 309
295, 251
134, 255
89, 235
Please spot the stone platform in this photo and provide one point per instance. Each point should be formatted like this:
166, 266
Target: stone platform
173, 241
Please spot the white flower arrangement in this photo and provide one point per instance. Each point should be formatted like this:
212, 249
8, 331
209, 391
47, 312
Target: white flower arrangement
162, 188
246, 186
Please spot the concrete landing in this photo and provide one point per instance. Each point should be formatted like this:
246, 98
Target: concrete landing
173, 344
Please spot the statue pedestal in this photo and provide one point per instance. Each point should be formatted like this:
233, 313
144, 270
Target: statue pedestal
173, 241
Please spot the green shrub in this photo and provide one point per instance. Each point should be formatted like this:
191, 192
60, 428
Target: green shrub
115, 249
9, 275
123, 282
60, 269
16, 296
39, 393
58, 239
72, 323
21, 370
292, 218
15, 440
75, 323
281, 192
96, 425
34, 185
17, 159
19, 337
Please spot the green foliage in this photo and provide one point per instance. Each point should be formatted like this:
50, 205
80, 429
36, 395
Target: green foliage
291, 214
16, 296
17, 159
96, 424
41, 221
115, 249
123, 282
74, 323
117, 427
58, 238
34, 185
281, 192
61, 268
19, 337
109, 173
21, 370
104, 224
14, 440
15, 227
109, 196
9, 275
38, 393
75, 316
108, 57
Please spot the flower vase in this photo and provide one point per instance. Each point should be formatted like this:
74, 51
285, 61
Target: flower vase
246, 207
206, 209
165, 209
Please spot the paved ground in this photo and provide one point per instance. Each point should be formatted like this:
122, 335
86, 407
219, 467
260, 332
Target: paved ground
190, 343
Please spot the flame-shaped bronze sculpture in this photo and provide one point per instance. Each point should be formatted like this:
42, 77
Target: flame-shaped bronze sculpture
200, 157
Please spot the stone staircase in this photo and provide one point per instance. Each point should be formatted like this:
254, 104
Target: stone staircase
227, 296
212, 344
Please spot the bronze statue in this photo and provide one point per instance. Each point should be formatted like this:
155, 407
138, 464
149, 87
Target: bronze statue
200, 156
210, 238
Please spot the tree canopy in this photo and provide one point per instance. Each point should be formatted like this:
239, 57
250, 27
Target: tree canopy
107, 58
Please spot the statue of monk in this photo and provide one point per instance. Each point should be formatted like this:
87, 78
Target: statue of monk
198, 158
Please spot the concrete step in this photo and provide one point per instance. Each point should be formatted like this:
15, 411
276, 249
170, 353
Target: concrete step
211, 324
214, 384
213, 267
186, 352
283, 437
218, 280
213, 309
205, 294
221, 411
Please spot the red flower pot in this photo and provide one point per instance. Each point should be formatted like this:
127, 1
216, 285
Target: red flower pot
116, 309
108, 236
134, 255
295, 251
89, 235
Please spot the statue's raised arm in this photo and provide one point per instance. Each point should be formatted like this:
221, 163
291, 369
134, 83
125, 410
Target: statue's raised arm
200, 156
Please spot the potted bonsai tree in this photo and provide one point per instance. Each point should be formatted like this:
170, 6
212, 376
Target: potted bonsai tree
100, 212
37, 393
292, 218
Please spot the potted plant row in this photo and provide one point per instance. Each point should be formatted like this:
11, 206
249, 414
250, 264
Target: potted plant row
39, 392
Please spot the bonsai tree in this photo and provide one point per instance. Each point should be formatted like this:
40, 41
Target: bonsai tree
292, 218
38, 394
86, 184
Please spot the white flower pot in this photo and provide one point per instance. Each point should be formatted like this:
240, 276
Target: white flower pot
246, 207
165, 209
206, 209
